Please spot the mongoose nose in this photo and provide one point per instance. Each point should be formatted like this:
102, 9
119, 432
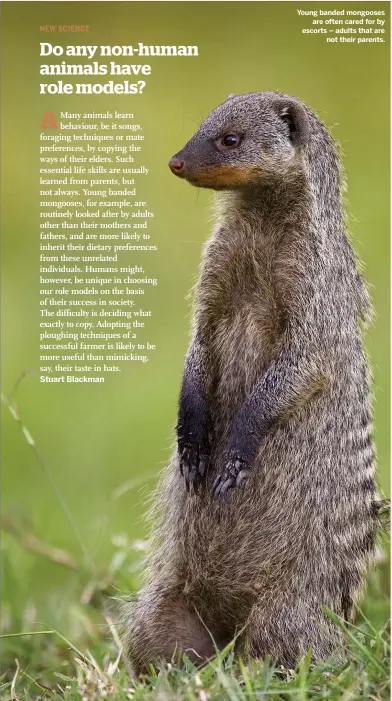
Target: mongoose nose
177, 167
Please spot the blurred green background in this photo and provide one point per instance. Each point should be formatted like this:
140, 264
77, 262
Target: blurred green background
104, 444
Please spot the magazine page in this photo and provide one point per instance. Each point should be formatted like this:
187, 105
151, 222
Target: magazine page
195, 350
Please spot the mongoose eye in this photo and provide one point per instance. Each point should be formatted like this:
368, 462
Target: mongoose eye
227, 142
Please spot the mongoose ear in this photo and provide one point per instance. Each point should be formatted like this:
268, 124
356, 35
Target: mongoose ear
230, 96
294, 115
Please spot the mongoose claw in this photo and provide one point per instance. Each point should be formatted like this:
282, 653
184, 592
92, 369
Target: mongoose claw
193, 440
234, 473
193, 460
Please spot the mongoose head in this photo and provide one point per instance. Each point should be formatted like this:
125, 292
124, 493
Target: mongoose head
250, 139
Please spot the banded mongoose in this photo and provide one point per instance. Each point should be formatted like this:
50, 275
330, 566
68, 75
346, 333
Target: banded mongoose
268, 509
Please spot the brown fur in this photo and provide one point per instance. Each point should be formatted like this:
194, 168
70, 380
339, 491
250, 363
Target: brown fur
220, 177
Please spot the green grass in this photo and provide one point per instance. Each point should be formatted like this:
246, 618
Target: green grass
81, 659
48, 666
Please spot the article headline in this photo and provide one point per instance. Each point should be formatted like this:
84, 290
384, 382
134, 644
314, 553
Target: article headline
95, 68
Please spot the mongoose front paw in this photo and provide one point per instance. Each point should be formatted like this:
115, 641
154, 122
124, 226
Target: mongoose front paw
194, 450
236, 470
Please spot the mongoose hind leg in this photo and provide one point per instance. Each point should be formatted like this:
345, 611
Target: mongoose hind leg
162, 627
286, 631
